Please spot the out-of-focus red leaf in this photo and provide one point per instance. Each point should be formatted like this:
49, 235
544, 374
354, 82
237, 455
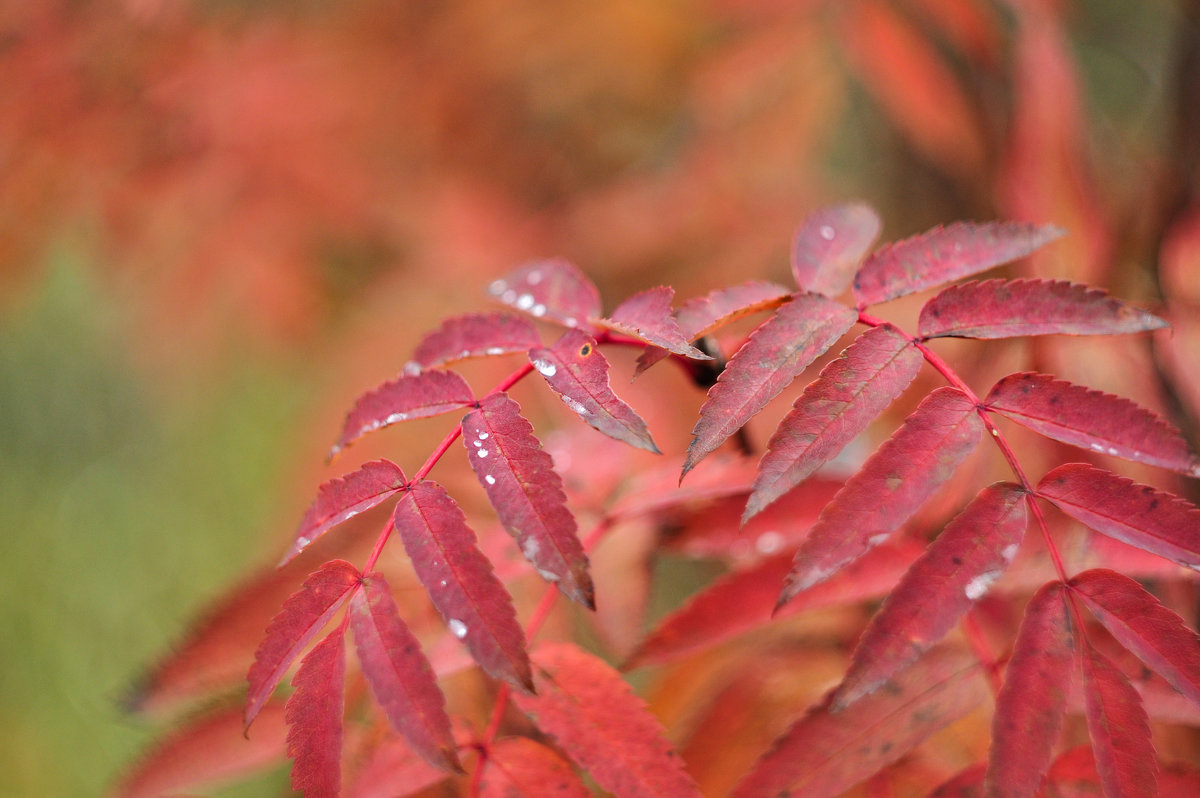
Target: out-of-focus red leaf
304, 614
743, 600
647, 316
1120, 731
970, 26
343, 498
472, 335
577, 370
954, 572
393, 770
826, 753
1140, 515
519, 767
1017, 308
839, 404
595, 717
460, 582
1139, 622
1033, 698
701, 315
967, 783
429, 393
1091, 420
527, 494
829, 246
399, 675
554, 290
205, 752
893, 483
774, 355
944, 254
314, 717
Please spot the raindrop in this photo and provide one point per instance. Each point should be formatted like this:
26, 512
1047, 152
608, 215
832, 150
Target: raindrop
826, 232
457, 628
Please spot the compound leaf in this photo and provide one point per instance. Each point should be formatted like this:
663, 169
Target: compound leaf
647, 316
314, 717
303, 615
835, 407
400, 676
578, 372
597, 720
460, 581
1140, 515
554, 290
775, 354
343, 498
829, 246
1091, 420
518, 766
1016, 308
472, 335
527, 494
1119, 728
945, 254
429, 393
893, 483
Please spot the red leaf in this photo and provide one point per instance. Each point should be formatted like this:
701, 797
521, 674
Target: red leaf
518, 766
393, 770
743, 600
647, 316
595, 717
1091, 420
829, 246
968, 783
1119, 729
399, 675
304, 614
701, 315
945, 254
551, 289
890, 487
461, 583
343, 498
775, 354
314, 717
208, 751
472, 335
1140, 515
835, 407
1031, 703
824, 753
1016, 308
402, 399
954, 572
1158, 636
578, 372
527, 494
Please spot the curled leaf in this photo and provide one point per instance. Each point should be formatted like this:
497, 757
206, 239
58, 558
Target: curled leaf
647, 316
429, 393
472, 335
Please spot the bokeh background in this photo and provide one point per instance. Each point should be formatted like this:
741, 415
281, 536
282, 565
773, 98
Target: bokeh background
220, 220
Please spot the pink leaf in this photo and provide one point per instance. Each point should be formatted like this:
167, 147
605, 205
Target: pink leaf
527, 494
314, 717
551, 289
1140, 515
343, 498
1144, 626
774, 355
1031, 703
967, 783
392, 770
402, 399
953, 573
578, 372
835, 407
1016, 308
472, 335
1119, 729
460, 582
597, 720
702, 315
945, 254
824, 753
647, 316
1091, 420
304, 614
829, 246
743, 600
518, 766
890, 487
